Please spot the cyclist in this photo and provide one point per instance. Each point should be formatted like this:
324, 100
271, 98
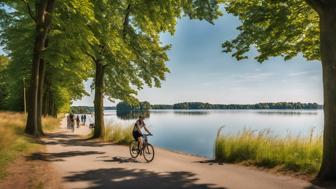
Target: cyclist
137, 134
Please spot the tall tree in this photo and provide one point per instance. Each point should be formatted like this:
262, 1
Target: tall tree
127, 52
20, 18
287, 28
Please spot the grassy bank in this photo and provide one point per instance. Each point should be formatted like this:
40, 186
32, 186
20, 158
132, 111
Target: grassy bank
118, 134
291, 153
13, 141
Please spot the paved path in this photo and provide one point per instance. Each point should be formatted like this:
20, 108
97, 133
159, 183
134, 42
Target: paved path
84, 164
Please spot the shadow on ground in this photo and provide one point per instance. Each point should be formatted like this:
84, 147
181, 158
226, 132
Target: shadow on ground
120, 178
119, 159
315, 185
211, 162
60, 156
67, 139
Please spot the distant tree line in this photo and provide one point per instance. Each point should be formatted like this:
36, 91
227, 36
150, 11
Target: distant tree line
201, 105
87, 109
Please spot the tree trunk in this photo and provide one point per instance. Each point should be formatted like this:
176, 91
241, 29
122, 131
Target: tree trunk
44, 9
42, 69
32, 102
45, 103
98, 101
328, 58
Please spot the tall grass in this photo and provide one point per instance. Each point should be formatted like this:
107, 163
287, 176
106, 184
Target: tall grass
118, 134
301, 154
13, 142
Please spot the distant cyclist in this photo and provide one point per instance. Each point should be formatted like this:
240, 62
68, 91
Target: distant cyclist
137, 133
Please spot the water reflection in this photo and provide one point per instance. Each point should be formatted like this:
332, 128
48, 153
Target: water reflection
127, 115
188, 112
289, 113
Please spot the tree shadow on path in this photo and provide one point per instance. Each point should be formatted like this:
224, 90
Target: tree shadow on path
59, 156
69, 139
119, 159
119, 178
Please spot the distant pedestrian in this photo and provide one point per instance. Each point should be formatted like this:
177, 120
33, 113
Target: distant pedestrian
84, 119
68, 121
77, 121
72, 122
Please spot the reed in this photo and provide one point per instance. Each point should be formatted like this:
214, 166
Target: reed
302, 154
118, 134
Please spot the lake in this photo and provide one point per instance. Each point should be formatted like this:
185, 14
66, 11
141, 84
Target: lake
194, 131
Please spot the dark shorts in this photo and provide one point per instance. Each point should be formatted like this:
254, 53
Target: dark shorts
136, 135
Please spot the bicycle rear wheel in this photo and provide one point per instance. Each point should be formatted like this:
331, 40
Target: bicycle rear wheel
148, 152
134, 150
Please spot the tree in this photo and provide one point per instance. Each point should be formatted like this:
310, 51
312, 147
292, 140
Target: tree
127, 52
287, 28
32, 20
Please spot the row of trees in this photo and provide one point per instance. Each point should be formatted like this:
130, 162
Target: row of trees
56, 44
64, 42
278, 105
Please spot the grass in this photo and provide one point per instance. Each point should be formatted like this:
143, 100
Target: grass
300, 154
118, 134
13, 141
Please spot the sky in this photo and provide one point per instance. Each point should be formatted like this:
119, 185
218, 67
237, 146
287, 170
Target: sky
200, 71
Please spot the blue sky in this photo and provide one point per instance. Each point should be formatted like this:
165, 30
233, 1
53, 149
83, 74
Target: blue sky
200, 71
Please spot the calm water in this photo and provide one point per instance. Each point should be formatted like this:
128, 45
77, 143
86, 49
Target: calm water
194, 132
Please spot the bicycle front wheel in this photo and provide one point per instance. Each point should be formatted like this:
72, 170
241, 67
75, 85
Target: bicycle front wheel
134, 151
148, 152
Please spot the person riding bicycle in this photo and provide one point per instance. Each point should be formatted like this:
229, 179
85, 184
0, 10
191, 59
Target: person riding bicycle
137, 134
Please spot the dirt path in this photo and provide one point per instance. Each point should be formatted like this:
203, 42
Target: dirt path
84, 164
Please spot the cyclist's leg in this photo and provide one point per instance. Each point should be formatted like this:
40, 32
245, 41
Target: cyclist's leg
139, 142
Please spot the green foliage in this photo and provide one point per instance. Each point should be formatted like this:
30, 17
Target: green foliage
290, 153
162, 106
66, 66
274, 28
3, 84
82, 109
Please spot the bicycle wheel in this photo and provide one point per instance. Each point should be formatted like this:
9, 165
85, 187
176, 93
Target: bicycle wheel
148, 152
133, 147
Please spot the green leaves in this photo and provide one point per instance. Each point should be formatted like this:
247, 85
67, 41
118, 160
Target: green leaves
274, 28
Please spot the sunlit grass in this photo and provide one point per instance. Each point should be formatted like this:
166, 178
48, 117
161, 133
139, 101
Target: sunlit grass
118, 134
301, 154
50, 123
13, 141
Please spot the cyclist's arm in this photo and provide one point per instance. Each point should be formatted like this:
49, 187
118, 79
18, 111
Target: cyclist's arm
147, 130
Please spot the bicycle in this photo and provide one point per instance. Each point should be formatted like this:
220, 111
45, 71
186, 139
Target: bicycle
147, 149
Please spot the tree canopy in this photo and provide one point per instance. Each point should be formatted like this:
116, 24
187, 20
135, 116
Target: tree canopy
274, 28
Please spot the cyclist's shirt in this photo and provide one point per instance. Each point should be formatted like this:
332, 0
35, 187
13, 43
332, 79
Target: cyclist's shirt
138, 125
